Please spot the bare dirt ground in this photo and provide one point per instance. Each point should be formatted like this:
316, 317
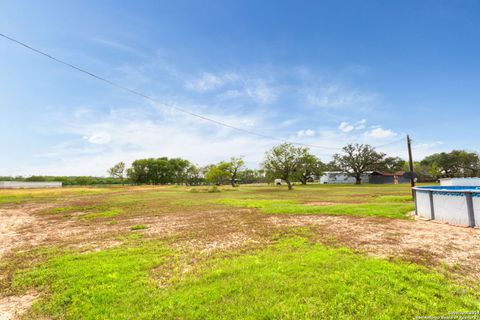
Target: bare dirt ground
424, 242
13, 307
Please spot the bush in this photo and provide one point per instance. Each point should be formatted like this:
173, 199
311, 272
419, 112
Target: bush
214, 189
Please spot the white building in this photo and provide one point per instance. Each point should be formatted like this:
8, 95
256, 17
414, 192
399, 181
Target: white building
28, 184
464, 182
338, 177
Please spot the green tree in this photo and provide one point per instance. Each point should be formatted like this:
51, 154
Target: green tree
457, 163
218, 174
234, 167
309, 167
193, 175
117, 171
392, 164
252, 176
178, 168
356, 159
283, 161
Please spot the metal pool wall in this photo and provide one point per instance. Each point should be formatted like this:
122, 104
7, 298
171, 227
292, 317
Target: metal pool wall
455, 205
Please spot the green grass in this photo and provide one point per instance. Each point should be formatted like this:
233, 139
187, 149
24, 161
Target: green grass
294, 279
110, 284
86, 211
385, 209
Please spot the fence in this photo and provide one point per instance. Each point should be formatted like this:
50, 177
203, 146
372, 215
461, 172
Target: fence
455, 205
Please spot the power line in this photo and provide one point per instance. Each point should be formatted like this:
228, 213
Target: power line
145, 96
390, 143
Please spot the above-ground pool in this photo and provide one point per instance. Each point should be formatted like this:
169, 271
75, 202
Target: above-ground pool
455, 205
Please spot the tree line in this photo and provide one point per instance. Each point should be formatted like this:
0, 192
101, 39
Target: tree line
284, 161
66, 180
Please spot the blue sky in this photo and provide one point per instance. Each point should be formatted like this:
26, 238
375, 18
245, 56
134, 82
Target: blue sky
319, 72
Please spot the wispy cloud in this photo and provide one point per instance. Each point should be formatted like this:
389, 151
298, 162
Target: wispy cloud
118, 46
346, 127
209, 81
337, 96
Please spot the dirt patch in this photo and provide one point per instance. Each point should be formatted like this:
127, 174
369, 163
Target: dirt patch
14, 306
22, 227
12, 220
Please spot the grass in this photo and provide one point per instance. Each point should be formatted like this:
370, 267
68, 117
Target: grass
85, 211
293, 279
18, 196
138, 227
194, 270
111, 284
384, 209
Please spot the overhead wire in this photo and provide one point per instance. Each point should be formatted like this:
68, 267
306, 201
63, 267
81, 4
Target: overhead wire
145, 96
148, 97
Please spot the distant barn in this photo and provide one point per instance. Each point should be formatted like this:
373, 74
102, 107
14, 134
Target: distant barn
29, 184
379, 177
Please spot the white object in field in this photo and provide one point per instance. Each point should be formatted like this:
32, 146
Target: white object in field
458, 205
278, 182
28, 184
463, 182
338, 177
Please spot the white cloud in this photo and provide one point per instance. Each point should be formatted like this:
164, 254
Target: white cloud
306, 133
336, 96
260, 92
359, 125
98, 138
209, 81
345, 127
379, 133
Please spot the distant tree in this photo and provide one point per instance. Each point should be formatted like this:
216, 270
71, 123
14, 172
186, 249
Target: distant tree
117, 171
178, 168
309, 167
356, 159
234, 166
218, 174
283, 161
457, 163
252, 176
159, 171
193, 175
392, 164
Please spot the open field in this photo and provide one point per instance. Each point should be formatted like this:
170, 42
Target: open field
253, 252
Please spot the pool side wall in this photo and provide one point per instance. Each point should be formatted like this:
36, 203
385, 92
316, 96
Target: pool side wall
450, 204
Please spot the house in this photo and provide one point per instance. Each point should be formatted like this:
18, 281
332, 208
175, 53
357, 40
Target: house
379, 177
338, 177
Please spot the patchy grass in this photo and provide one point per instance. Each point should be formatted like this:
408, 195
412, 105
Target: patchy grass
18, 196
389, 210
227, 263
294, 279
138, 227
85, 211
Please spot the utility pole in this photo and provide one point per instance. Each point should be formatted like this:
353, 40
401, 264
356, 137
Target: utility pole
410, 163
